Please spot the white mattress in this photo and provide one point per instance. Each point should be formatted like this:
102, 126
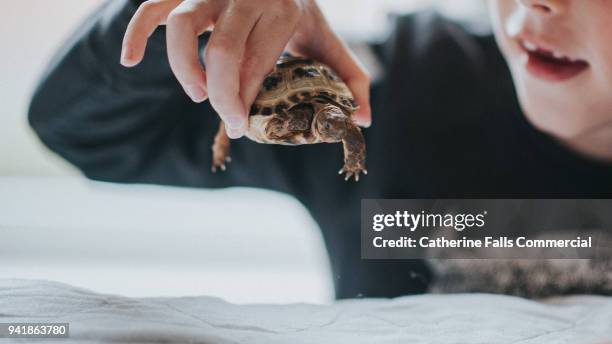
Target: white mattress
463, 318
145, 240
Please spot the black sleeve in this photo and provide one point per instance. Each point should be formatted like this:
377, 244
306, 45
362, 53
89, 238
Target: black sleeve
137, 125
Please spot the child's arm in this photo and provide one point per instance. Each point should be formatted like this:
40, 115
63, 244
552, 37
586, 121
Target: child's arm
136, 125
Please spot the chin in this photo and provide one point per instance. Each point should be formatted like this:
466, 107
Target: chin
549, 115
559, 123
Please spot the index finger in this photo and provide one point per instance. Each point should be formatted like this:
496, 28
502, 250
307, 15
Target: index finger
223, 56
148, 16
185, 24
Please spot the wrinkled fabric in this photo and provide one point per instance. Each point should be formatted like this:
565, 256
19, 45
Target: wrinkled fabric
461, 318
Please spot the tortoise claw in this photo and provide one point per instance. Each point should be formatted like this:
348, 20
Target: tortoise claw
352, 173
220, 165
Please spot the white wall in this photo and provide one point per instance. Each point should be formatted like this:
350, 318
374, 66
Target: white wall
30, 31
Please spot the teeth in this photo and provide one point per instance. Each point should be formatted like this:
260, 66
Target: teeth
558, 55
530, 46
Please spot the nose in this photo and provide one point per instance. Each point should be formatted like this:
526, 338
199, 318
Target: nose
545, 7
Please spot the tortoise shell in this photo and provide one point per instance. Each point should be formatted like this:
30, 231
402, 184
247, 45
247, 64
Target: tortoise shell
302, 101
296, 80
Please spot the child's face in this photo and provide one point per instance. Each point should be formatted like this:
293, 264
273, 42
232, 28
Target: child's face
560, 55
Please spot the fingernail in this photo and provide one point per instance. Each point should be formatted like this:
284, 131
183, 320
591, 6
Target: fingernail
233, 133
234, 122
196, 93
125, 56
363, 124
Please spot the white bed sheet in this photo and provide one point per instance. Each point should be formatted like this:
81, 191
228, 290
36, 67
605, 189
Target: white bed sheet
463, 318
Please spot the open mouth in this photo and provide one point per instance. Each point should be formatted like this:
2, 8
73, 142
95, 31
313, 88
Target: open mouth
551, 65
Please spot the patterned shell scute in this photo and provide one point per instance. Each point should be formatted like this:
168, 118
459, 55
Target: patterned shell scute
295, 79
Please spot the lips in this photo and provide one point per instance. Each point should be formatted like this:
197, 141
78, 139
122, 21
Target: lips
551, 65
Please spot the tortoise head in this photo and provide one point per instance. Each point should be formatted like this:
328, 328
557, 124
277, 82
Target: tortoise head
330, 123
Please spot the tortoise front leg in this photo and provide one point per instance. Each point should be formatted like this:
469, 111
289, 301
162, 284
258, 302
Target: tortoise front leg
221, 149
354, 153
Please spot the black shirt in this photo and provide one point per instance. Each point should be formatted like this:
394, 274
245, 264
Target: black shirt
446, 124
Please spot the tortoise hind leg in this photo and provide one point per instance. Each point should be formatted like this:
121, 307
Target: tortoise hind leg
354, 153
221, 149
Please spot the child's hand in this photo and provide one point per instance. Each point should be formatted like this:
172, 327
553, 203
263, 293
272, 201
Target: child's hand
248, 37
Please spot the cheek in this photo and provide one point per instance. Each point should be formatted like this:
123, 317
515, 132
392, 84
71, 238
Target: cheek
502, 13
599, 43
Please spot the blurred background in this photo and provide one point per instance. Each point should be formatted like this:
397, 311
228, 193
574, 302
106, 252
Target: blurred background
145, 240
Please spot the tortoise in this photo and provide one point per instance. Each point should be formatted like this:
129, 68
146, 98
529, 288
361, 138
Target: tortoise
301, 101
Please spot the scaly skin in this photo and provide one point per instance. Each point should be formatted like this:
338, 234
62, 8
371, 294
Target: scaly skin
354, 153
221, 150
329, 125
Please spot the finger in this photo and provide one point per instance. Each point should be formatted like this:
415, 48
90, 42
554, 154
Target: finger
223, 55
332, 51
148, 16
342, 60
263, 49
185, 23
